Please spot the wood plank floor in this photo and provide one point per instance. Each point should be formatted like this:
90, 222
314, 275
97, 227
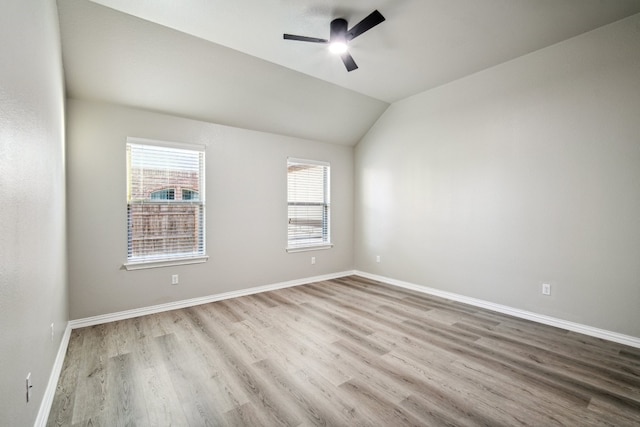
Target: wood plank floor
344, 352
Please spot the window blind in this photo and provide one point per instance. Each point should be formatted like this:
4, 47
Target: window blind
308, 204
165, 202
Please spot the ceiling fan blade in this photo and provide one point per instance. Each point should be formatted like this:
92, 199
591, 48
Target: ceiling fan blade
304, 38
366, 24
348, 61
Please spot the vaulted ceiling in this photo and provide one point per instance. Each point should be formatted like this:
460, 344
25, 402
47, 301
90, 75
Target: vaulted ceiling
225, 61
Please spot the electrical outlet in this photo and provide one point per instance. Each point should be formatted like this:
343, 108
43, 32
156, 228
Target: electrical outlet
29, 387
377, 258
313, 260
174, 279
546, 289
51, 331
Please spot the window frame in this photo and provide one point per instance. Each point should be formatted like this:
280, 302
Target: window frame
326, 242
137, 263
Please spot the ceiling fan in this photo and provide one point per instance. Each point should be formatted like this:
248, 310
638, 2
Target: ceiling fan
339, 36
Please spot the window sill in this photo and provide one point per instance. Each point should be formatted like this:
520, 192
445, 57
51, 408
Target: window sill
310, 248
164, 263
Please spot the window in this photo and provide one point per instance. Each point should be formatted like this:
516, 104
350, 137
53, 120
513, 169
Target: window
308, 205
189, 194
165, 204
169, 194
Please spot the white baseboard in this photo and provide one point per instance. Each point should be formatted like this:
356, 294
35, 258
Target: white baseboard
547, 320
50, 391
128, 314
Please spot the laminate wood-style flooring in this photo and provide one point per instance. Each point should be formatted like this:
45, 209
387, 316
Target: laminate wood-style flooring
343, 352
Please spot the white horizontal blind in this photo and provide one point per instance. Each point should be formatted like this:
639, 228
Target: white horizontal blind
308, 203
165, 203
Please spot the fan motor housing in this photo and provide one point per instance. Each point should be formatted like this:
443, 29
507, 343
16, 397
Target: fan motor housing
338, 30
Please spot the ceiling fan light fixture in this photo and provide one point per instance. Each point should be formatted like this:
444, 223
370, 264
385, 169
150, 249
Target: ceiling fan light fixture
338, 47
340, 35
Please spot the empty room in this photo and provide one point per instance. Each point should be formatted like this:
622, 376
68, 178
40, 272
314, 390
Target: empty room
318, 212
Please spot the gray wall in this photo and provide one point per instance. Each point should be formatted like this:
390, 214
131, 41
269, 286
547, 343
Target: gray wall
33, 283
525, 173
246, 210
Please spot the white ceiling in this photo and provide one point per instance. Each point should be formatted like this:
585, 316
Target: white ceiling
225, 60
